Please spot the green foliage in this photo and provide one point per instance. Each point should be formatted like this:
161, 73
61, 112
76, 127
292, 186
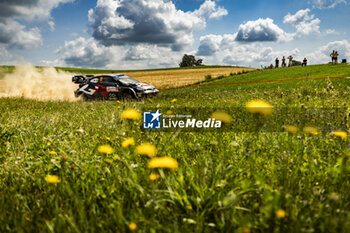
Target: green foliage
226, 181
190, 61
296, 63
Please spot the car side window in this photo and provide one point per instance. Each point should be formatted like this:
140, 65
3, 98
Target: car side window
107, 79
94, 80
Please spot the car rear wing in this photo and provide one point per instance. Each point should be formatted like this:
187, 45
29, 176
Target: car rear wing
80, 78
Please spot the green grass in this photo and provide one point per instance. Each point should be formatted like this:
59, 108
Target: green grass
340, 70
226, 181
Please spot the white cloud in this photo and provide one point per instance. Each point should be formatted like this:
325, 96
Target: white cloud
322, 54
150, 56
29, 9
211, 44
4, 55
297, 18
216, 49
51, 25
304, 23
90, 53
83, 52
209, 10
265, 30
331, 32
14, 33
306, 28
125, 22
322, 4
261, 30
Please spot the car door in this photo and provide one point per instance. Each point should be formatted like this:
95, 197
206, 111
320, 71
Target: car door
110, 84
89, 87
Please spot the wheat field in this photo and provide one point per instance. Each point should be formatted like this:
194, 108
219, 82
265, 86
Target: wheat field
173, 78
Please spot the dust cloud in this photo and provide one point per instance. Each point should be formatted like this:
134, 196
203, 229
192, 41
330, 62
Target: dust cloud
41, 84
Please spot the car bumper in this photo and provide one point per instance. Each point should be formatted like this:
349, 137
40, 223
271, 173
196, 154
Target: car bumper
147, 93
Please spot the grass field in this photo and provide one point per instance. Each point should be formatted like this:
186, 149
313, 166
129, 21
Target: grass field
227, 180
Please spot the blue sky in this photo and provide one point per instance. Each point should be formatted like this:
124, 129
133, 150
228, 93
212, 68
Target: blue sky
131, 34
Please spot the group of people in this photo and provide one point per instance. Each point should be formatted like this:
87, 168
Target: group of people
290, 62
334, 55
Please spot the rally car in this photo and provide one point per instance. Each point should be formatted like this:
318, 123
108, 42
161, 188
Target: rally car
111, 87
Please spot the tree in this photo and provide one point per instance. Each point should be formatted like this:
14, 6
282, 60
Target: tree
190, 60
296, 63
199, 62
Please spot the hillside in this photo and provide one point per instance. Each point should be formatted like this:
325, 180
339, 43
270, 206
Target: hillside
251, 175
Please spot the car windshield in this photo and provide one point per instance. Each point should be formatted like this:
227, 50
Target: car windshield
127, 80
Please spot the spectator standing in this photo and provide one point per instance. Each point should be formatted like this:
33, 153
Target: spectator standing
290, 59
304, 62
284, 62
334, 56
277, 61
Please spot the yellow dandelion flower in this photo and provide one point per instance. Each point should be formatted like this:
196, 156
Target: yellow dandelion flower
128, 142
340, 134
131, 114
163, 162
311, 130
222, 116
291, 129
169, 112
146, 149
48, 144
172, 106
259, 106
52, 179
132, 226
52, 152
115, 157
281, 213
118, 107
106, 149
153, 176
174, 101
108, 138
118, 101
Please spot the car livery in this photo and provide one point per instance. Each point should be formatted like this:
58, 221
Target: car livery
111, 87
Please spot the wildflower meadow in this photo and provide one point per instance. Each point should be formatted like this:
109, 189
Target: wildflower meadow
91, 167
